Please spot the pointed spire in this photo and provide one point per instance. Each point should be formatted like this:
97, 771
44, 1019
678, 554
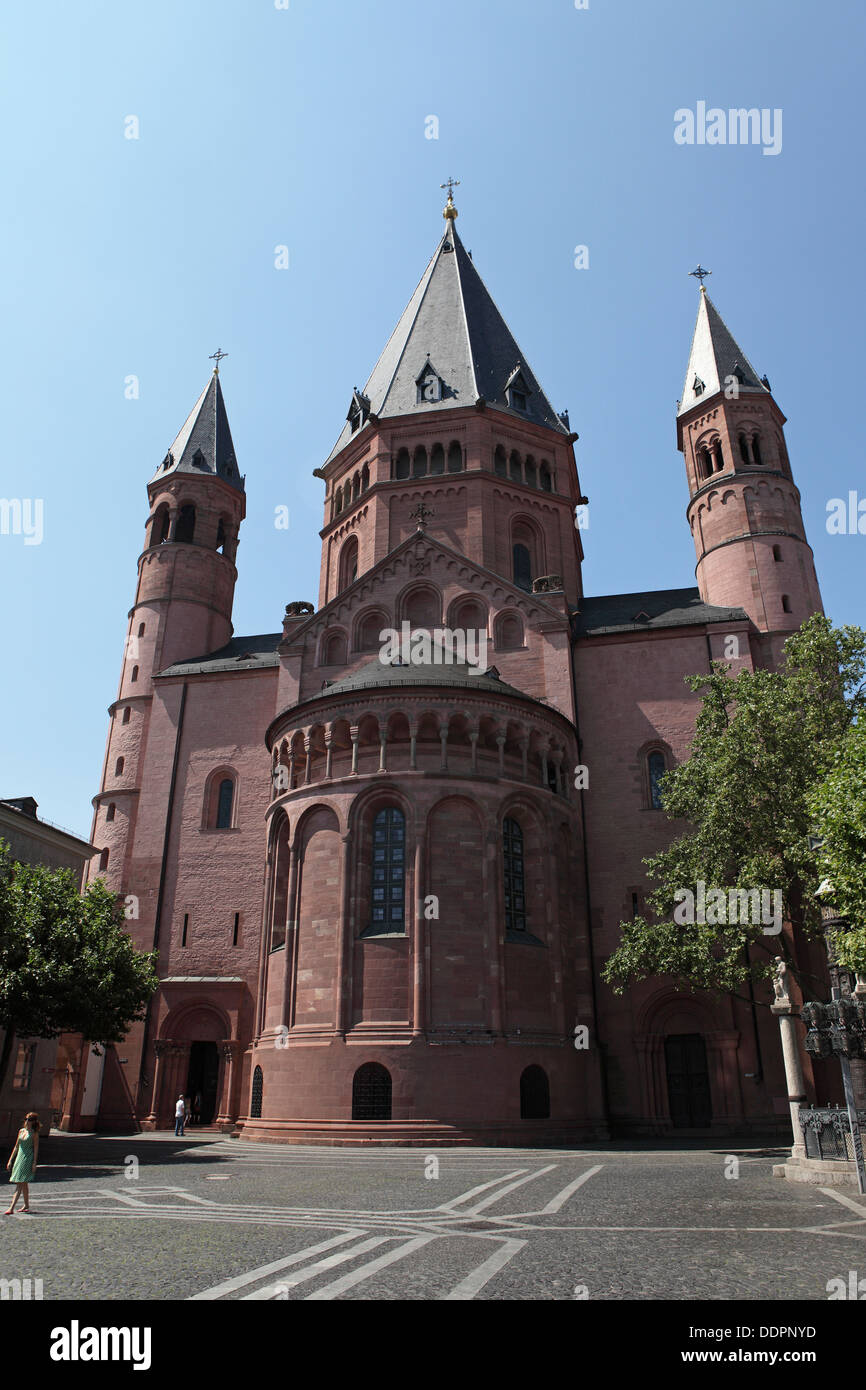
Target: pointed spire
451, 330
715, 359
204, 445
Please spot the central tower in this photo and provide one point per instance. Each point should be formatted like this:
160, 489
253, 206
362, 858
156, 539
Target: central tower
425, 958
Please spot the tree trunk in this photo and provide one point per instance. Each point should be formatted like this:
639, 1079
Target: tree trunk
8, 1042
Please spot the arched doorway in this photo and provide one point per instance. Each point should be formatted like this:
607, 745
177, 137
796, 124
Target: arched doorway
371, 1093
534, 1094
688, 1081
201, 1083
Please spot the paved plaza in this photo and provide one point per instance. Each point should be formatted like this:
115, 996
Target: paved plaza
211, 1218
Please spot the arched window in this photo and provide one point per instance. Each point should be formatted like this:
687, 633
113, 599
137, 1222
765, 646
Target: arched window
656, 769
522, 567
185, 529
756, 448
348, 563
786, 603
141, 629
356, 487
371, 1093
437, 459
545, 477
402, 466
338, 501
455, 457
777, 553
225, 798
134, 676
509, 633
530, 472
365, 477
705, 463
718, 456
159, 525
256, 1097
126, 715
388, 877
500, 465
109, 814
103, 861
515, 467
367, 637
221, 537
534, 1094
334, 649
419, 462
744, 449
515, 892
118, 767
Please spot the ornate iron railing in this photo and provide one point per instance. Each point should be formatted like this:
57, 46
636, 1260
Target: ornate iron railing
826, 1131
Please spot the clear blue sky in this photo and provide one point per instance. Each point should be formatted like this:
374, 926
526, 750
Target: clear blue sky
305, 126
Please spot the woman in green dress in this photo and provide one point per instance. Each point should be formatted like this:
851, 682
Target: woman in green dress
22, 1160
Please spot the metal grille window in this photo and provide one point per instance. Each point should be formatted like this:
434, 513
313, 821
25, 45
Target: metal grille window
224, 804
387, 911
371, 1093
657, 770
515, 893
256, 1099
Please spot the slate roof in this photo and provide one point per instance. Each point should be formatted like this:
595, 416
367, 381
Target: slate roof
664, 608
204, 444
714, 355
240, 654
452, 320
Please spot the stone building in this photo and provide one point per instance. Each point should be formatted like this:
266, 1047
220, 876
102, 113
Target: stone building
380, 898
37, 1078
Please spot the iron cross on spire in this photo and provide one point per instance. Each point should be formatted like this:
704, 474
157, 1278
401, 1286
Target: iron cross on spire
700, 274
217, 357
421, 511
450, 185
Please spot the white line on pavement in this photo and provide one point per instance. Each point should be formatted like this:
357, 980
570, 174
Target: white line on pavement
469, 1287
357, 1276
121, 1197
473, 1191
846, 1201
273, 1290
251, 1277
503, 1191
562, 1197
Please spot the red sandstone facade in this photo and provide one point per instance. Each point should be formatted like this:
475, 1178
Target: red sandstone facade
262, 796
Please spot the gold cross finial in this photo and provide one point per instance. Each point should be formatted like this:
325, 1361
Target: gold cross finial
449, 212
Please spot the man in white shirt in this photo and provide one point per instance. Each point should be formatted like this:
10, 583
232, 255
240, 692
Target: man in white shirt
179, 1115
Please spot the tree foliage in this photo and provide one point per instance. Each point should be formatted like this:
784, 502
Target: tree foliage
67, 963
763, 741
838, 804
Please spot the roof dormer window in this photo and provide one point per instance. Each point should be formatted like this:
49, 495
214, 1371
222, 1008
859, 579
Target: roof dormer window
517, 391
359, 409
430, 386
698, 386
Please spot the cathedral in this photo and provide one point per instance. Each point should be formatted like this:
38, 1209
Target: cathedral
383, 875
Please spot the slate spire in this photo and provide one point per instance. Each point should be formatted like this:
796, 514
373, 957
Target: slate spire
204, 444
715, 359
450, 349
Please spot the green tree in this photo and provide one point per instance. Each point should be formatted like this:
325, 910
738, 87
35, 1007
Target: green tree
67, 963
763, 739
838, 804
